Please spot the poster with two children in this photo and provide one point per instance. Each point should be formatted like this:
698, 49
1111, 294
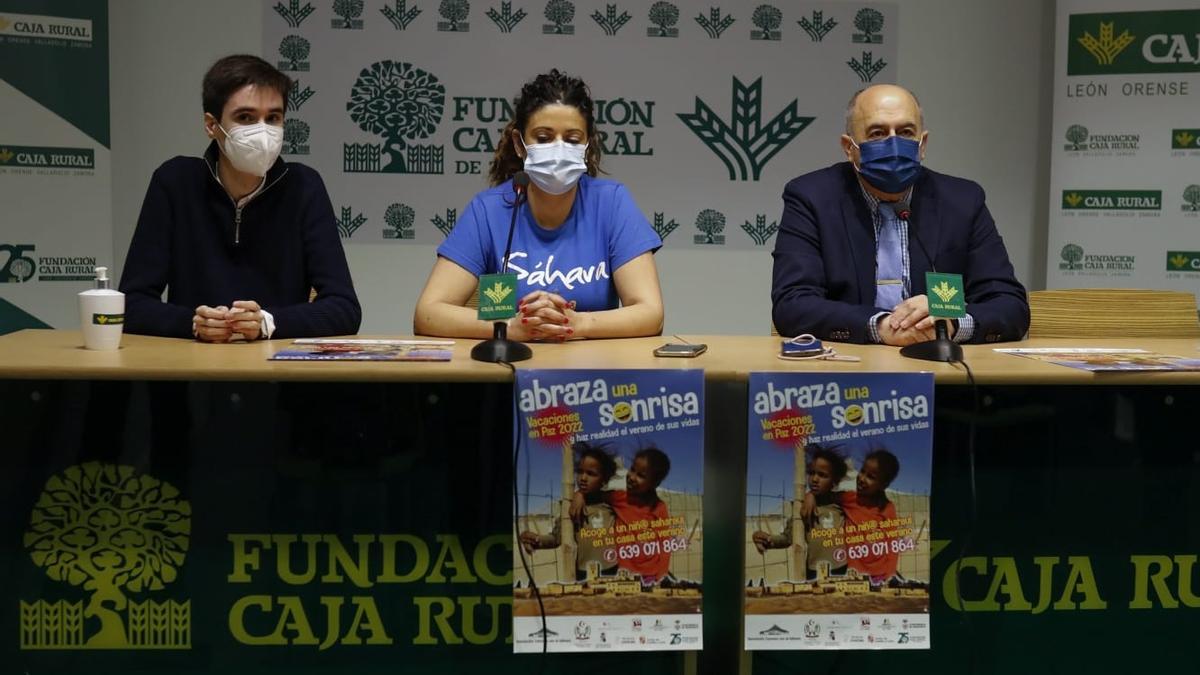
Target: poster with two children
837, 511
608, 535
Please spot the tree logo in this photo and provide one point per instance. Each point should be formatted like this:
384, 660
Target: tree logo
295, 137
1072, 256
768, 19
18, 267
1105, 48
870, 22
560, 14
661, 228
868, 67
1191, 198
293, 13
1071, 199
711, 222
760, 231
401, 103
349, 222
1078, 135
399, 218
109, 530
5, 155
297, 97
350, 13
455, 13
294, 49
506, 19
444, 225
817, 27
399, 14
714, 24
747, 145
664, 15
610, 22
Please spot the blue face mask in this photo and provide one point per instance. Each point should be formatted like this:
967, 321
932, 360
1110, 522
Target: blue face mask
889, 164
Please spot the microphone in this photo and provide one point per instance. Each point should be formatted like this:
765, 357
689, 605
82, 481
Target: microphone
500, 349
520, 182
904, 212
941, 348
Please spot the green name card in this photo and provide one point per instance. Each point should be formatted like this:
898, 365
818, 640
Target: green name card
497, 296
946, 296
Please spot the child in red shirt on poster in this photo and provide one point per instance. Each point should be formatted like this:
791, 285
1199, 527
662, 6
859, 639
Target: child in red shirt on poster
636, 506
869, 504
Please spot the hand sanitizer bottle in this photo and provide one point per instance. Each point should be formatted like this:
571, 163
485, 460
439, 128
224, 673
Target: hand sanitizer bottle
101, 314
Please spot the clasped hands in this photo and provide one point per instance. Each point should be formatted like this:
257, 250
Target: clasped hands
223, 324
909, 323
544, 316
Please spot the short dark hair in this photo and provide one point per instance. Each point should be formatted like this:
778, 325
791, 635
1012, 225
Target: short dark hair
231, 73
658, 461
889, 466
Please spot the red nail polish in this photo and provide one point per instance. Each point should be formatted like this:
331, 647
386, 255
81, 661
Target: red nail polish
566, 321
570, 331
524, 320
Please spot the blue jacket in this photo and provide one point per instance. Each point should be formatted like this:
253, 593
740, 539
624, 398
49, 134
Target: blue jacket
191, 241
824, 276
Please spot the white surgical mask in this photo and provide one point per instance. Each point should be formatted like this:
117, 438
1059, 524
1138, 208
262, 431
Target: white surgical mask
253, 148
555, 167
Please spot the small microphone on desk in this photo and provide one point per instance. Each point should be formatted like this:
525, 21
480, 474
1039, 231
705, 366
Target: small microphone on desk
500, 349
941, 348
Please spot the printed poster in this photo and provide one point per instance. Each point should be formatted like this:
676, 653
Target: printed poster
837, 511
609, 528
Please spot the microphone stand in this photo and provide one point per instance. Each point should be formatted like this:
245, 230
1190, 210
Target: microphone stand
500, 349
941, 347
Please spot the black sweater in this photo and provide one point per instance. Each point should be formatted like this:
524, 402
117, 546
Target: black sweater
192, 241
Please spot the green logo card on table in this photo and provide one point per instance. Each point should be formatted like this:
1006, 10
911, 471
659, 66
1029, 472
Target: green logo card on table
946, 295
497, 296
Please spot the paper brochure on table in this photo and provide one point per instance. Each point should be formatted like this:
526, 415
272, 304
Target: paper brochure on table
1104, 359
335, 349
837, 543
609, 521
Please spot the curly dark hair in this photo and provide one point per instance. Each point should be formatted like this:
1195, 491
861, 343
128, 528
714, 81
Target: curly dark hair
600, 453
546, 89
833, 455
888, 465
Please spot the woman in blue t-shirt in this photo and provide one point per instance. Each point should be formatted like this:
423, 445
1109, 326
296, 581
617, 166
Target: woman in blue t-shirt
582, 251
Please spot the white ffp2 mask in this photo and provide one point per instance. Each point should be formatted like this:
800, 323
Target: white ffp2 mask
253, 148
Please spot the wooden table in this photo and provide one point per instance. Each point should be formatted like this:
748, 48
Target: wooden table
1062, 466
33, 354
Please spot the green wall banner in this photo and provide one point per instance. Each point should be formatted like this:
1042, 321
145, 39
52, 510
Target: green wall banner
55, 183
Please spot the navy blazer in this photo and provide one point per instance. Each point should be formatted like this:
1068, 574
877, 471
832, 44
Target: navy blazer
824, 277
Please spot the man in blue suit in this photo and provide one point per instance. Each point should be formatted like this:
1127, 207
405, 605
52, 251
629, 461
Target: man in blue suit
857, 237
